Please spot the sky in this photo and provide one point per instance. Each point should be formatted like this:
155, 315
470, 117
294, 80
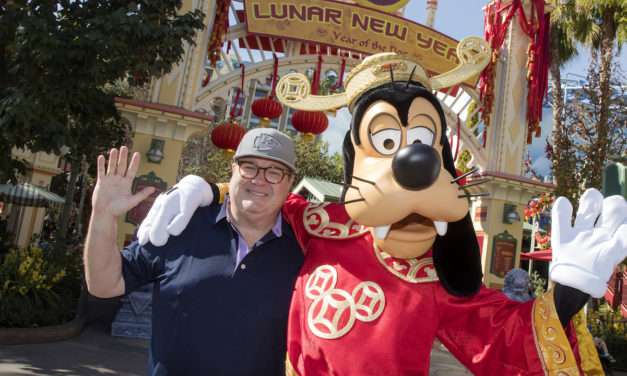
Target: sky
459, 19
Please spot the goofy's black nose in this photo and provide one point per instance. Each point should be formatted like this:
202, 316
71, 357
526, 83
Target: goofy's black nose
416, 166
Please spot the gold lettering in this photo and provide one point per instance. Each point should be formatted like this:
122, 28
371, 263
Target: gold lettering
395, 32
423, 42
335, 15
257, 12
439, 47
358, 22
295, 14
452, 55
376, 25
316, 12
275, 12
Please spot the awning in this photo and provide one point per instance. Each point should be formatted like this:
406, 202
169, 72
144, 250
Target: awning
543, 255
29, 195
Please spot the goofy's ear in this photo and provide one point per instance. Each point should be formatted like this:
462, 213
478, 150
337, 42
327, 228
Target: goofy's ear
349, 160
457, 259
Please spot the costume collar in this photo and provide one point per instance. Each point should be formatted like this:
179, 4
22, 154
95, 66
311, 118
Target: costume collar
414, 270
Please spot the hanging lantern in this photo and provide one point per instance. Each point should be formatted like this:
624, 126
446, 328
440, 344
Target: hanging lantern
227, 136
311, 123
266, 109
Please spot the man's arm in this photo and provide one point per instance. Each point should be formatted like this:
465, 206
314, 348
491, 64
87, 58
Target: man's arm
112, 197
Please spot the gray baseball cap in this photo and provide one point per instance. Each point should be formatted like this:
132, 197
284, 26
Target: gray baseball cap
267, 143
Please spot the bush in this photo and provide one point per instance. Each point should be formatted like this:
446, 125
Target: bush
606, 323
38, 288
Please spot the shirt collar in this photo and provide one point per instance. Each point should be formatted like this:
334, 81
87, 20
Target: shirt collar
224, 213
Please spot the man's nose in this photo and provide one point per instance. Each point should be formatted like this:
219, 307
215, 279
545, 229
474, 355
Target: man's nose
260, 179
416, 166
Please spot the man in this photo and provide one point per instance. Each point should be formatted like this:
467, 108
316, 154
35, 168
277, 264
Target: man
223, 286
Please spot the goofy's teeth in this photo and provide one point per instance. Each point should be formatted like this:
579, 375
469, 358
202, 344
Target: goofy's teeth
440, 227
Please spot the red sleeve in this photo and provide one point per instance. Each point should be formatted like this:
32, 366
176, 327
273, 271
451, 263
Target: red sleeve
489, 333
293, 212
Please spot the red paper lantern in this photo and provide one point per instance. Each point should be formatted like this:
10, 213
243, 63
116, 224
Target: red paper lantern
227, 135
266, 108
310, 123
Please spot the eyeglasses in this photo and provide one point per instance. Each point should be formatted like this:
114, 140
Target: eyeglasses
273, 175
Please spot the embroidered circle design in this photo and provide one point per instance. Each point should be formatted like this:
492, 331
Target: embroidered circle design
333, 311
332, 315
369, 301
320, 281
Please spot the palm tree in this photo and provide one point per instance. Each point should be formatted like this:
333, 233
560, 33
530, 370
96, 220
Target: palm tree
562, 49
601, 25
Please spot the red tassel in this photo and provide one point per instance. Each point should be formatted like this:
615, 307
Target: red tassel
275, 75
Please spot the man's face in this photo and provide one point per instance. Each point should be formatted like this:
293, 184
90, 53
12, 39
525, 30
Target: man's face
257, 196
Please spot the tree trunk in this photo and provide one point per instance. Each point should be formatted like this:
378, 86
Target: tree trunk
61, 234
563, 168
605, 76
81, 204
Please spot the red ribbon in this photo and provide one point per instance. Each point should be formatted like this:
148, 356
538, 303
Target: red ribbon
340, 80
539, 59
459, 126
275, 75
236, 109
315, 84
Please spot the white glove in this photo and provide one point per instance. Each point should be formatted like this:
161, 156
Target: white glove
584, 256
172, 210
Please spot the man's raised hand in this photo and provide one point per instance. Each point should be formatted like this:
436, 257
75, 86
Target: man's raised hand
113, 192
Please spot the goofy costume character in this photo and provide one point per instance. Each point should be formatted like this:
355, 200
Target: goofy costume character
397, 263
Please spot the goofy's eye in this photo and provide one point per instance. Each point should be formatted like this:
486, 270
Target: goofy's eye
421, 135
386, 141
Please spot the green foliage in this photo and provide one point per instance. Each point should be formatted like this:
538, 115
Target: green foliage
472, 121
56, 57
37, 288
538, 284
608, 324
201, 157
313, 160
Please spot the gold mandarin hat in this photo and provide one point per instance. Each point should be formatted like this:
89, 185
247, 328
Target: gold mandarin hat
294, 89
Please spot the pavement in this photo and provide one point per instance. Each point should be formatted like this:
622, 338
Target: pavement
96, 352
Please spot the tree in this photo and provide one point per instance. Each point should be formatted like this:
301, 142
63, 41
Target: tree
562, 48
591, 143
600, 25
56, 58
313, 160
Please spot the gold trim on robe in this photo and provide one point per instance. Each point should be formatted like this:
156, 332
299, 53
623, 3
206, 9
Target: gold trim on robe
552, 344
590, 362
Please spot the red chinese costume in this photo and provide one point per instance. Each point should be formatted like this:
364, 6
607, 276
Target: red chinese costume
359, 311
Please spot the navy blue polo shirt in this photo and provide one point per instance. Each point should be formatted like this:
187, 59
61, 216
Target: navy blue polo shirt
211, 316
